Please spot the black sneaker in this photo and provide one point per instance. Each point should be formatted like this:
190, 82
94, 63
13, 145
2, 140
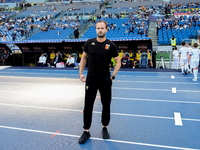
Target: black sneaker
105, 134
84, 137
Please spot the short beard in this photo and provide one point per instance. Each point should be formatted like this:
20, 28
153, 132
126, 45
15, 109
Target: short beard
101, 36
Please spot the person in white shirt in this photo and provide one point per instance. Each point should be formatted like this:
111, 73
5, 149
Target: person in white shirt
175, 58
194, 56
70, 61
183, 58
42, 61
189, 49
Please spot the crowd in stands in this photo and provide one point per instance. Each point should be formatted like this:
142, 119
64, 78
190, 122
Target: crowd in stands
135, 26
17, 29
57, 29
180, 26
5, 15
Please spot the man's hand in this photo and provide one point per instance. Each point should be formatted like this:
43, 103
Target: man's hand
82, 77
111, 79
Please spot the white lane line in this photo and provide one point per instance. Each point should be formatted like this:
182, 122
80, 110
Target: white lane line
177, 119
172, 77
173, 90
153, 100
149, 89
121, 81
44, 73
43, 84
39, 73
135, 72
98, 139
120, 88
43, 78
154, 82
98, 112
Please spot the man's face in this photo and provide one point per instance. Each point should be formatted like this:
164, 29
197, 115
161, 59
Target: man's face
124, 55
56, 54
101, 29
69, 56
42, 55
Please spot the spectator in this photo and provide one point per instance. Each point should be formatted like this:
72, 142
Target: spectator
56, 60
14, 35
4, 57
173, 42
70, 62
131, 58
140, 32
42, 61
125, 32
131, 29
76, 33
121, 53
80, 55
4, 37
124, 61
137, 58
52, 55
149, 58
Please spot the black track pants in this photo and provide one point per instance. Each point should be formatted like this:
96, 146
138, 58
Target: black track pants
103, 84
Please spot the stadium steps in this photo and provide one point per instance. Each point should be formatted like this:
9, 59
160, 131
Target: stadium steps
60, 16
153, 35
85, 29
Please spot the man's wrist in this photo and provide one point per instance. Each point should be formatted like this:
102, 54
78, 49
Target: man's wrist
80, 74
113, 77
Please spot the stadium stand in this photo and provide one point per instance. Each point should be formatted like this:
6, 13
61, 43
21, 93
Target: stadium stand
120, 28
183, 24
37, 13
56, 30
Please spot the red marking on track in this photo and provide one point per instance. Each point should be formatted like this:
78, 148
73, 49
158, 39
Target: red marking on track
81, 111
118, 80
124, 75
55, 134
99, 97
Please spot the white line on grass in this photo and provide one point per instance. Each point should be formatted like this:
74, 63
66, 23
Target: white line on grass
98, 112
154, 100
98, 139
177, 119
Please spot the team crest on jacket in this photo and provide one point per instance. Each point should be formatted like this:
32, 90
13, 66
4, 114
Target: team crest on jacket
107, 47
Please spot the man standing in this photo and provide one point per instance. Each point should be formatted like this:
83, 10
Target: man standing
183, 58
76, 33
194, 56
173, 42
99, 51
